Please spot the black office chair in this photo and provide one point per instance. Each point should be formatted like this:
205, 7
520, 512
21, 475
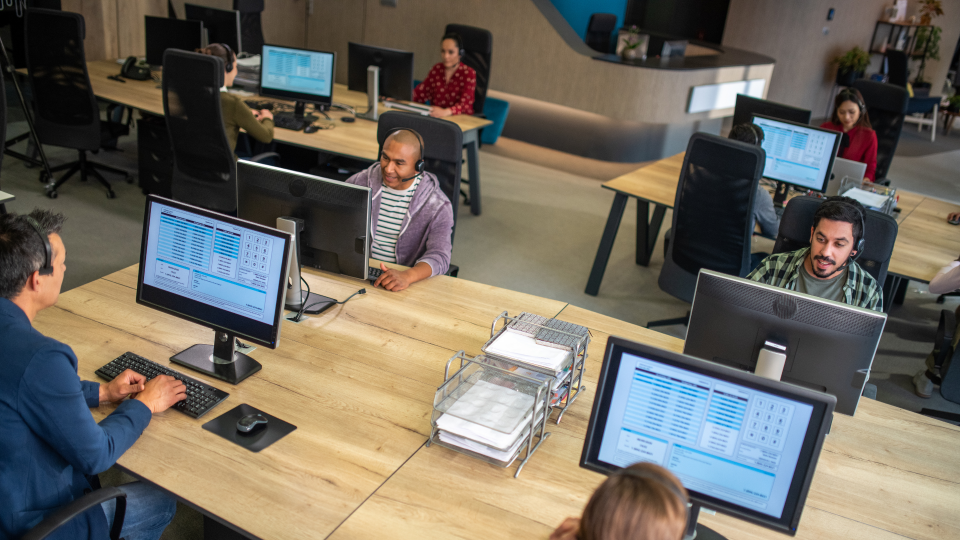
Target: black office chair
251, 31
443, 151
886, 105
478, 50
204, 165
599, 30
896, 66
79, 506
712, 215
879, 237
946, 366
65, 109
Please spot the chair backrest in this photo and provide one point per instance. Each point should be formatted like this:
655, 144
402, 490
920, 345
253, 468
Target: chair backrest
896, 63
887, 105
65, 108
478, 49
599, 29
3, 112
204, 166
442, 149
251, 30
879, 237
712, 213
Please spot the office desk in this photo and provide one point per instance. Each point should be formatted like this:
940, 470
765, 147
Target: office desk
925, 241
656, 184
356, 140
358, 381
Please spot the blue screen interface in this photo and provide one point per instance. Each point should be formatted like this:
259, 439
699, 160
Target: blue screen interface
720, 439
296, 70
795, 154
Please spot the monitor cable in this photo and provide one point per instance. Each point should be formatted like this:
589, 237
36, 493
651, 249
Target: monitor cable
305, 307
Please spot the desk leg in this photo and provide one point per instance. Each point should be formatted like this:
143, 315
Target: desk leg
606, 244
470, 141
648, 229
894, 291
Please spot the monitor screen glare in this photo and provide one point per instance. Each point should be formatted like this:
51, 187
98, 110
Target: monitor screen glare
796, 154
297, 73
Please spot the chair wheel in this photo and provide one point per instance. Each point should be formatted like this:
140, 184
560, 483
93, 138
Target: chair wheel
111, 195
52, 193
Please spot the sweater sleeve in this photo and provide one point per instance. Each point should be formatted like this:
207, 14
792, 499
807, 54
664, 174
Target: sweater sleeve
261, 131
870, 156
53, 403
439, 246
464, 105
947, 279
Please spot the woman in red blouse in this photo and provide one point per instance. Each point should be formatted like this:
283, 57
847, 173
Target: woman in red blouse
850, 117
450, 85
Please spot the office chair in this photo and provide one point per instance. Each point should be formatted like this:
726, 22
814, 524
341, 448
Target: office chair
478, 50
712, 215
599, 30
896, 67
887, 105
89, 502
251, 31
65, 109
880, 235
946, 366
443, 151
204, 165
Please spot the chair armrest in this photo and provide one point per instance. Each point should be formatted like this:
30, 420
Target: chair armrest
260, 157
944, 339
57, 519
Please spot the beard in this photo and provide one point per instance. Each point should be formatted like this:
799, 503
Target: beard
824, 273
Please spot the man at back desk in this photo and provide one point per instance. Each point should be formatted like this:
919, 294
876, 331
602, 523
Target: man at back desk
50, 443
827, 268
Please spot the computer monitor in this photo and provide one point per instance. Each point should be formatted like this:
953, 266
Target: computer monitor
396, 70
194, 264
162, 34
748, 106
829, 345
336, 216
221, 25
303, 75
797, 154
740, 444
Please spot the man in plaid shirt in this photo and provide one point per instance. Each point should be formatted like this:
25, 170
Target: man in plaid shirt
827, 268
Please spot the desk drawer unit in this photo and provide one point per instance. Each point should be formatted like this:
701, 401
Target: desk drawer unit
155, 156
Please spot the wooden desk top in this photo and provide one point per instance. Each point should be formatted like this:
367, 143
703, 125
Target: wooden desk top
357, 139
656, 182
925, 241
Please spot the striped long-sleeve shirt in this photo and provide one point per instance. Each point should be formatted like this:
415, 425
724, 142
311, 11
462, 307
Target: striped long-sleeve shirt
393, 208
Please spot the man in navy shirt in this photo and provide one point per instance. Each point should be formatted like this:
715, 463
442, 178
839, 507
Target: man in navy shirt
49, 441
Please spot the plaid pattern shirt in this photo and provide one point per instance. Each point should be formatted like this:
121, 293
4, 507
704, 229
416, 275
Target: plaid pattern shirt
783, 270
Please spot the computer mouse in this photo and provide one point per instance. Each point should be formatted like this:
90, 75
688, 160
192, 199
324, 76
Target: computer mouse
954, 221
251, 422
311, 129
347, 119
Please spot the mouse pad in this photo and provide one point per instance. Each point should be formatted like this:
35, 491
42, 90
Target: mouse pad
225, 426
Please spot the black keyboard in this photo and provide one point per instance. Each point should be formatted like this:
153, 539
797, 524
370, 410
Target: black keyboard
257, 105
200, 397
289, 122
373, 273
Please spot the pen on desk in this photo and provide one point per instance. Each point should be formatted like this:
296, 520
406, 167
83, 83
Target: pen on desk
116, 78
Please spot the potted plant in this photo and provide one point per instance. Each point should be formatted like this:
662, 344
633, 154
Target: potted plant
851, 66
928, 41
634, 44
929, 10
954, 104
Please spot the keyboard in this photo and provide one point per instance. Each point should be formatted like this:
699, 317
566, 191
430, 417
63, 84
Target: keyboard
201, 398
373, 273
257, 105
289, 122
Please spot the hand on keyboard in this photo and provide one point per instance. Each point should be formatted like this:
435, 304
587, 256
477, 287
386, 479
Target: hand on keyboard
162, 392
127, 383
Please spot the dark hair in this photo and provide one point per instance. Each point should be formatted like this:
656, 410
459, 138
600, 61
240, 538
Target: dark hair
748, 133
642, 501
842, 209
21, 249
456, 38
221, 51
851, 94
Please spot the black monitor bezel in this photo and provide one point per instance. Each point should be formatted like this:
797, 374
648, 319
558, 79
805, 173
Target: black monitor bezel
358, 83
833, 153
169, 22
235, 14
298, 96
274, 333
823, 405
747, 100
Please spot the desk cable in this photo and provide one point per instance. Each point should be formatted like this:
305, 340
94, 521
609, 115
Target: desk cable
304, 306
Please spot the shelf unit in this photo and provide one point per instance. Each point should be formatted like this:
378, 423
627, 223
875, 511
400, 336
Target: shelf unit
898, 36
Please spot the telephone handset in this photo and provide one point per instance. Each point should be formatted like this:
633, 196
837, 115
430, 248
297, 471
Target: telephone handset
131, 70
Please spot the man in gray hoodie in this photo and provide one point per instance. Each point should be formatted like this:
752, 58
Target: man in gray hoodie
412, 217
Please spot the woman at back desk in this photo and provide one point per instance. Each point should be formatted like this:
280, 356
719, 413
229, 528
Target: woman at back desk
450, 85
860, 141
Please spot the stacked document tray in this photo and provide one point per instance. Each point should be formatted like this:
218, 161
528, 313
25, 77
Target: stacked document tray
490, 413
548, 350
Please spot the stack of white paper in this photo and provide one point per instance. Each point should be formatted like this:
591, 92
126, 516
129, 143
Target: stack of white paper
525, 349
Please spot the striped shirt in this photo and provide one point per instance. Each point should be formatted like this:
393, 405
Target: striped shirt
783, 270
393, 208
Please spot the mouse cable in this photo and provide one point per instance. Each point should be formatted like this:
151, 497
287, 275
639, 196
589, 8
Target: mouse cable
304, 306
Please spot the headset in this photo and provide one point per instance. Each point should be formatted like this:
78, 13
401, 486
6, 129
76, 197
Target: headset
456, 37
420, 165
47, 267
849, 95
659, 479
228, 66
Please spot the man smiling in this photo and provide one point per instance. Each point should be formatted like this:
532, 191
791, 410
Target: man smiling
827, 268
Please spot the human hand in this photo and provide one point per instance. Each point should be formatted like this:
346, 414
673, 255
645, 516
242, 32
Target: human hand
265, 115
124, 384
567, 530
392, 279
953, 216
161, 393
439, 112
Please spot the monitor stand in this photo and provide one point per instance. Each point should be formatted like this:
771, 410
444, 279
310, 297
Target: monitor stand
373, 94
296, 297
220, 360
696, 530
780, 194
299, 113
